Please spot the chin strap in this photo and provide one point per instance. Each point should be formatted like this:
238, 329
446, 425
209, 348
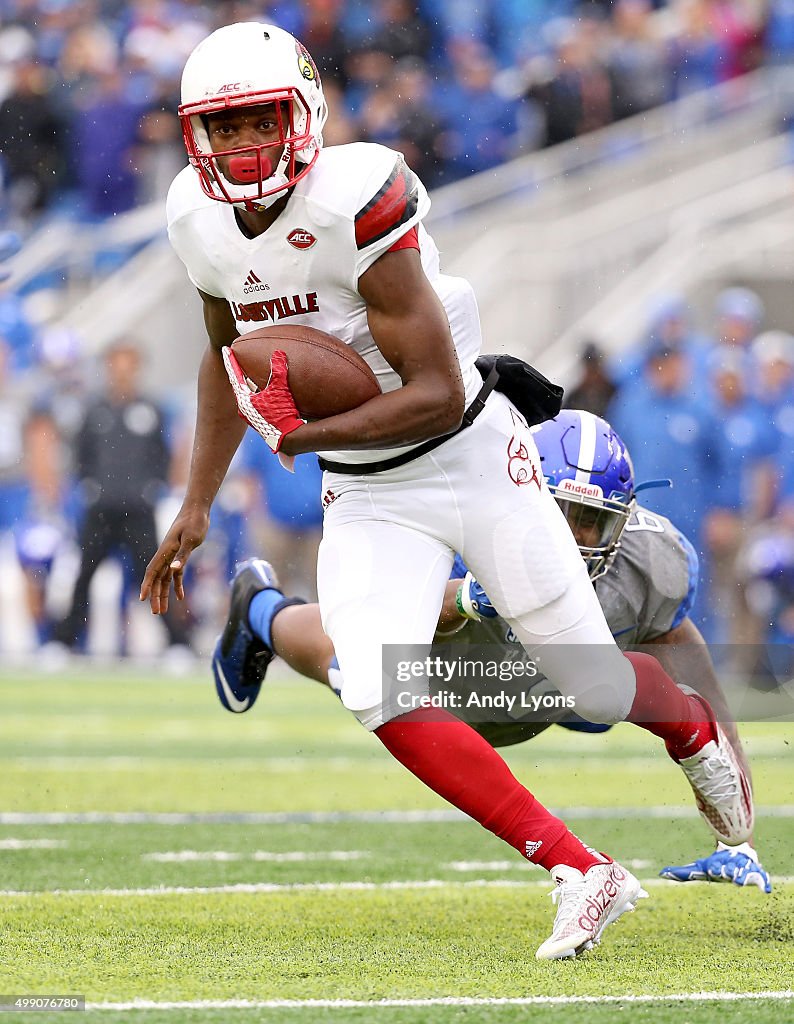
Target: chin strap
259, 205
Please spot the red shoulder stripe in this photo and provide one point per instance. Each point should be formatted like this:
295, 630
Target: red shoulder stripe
394, 204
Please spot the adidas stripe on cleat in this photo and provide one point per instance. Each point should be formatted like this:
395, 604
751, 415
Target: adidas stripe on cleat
586, 904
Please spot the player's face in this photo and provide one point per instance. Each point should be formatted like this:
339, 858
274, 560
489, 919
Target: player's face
248, 128
586, 523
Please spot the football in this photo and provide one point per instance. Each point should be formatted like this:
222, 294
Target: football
325, 376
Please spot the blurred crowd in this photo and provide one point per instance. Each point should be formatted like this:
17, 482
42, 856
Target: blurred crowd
89, 88
91, 470
711, 408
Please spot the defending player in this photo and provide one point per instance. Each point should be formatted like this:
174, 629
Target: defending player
645, 576
408, 469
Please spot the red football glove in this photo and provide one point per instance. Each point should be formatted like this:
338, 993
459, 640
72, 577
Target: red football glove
271, 412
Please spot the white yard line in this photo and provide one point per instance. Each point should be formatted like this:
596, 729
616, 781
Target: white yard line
490, 865
11, 843
351, 886
285, 857
274, 887
345, 1004
340, 817
123, 762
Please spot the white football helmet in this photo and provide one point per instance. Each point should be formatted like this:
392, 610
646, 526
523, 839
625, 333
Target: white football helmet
244, 65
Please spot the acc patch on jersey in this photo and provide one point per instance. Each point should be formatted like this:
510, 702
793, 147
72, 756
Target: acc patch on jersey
300, 238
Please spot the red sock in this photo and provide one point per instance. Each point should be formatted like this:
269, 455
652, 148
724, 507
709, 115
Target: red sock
458, 764
664, 709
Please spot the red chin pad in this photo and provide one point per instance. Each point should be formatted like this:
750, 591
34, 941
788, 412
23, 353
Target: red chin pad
245, 169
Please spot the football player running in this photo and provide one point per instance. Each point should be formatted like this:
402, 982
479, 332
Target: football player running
645, 576
408, 468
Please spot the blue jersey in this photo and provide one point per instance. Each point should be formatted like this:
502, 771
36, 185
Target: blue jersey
291, 499
669, 436
648, 591
779, 410
743, 436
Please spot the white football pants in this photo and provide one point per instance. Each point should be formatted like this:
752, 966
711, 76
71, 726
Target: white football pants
388, 544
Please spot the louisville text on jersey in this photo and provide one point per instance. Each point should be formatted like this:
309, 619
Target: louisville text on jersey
275, 309
395, 203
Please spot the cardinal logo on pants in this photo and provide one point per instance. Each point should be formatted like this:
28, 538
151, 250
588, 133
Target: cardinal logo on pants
520, 467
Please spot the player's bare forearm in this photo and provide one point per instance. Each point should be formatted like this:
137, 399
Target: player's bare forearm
409, 326
450, 620
219, 431
407, 416
684, 655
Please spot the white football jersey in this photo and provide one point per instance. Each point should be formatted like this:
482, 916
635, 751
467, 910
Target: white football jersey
353, 205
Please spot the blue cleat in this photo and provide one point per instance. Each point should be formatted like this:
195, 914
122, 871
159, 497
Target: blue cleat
737, 864
240, 659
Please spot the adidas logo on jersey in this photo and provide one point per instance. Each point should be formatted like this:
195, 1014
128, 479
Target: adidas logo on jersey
253, 284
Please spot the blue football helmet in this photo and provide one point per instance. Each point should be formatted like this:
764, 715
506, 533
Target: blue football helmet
588, 469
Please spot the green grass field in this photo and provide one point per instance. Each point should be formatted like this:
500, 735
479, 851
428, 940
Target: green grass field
175, 863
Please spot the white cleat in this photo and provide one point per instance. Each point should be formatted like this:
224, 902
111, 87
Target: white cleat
586, 904
722, 791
